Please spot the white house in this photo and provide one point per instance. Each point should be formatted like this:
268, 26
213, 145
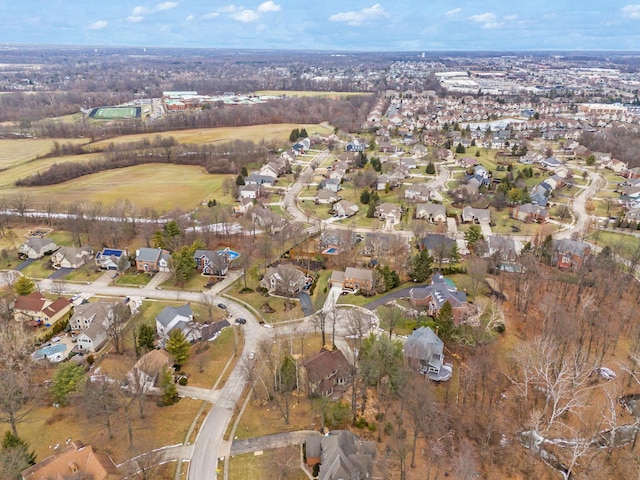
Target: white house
180, 318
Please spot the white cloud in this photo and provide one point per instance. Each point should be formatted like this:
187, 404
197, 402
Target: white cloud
209, 16
138, 13
189, 18
228, 9
631, 11
268, 6
453, 12
245, 16
98, 25
510, 18
483, 17
164, 6
359, 17
491, 25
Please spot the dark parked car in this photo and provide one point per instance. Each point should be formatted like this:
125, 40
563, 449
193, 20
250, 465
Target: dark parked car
241, 321
222, 306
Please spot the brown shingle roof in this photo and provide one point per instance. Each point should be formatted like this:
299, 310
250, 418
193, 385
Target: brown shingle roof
75, 458
33, 302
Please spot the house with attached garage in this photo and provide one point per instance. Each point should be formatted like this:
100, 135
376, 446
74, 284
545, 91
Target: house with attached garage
570, 254
431, 212
284, 279
36, 308
433, 297
211, 263
419, 193
388, 211
37, 247
152, 260
181, 318
529, 212
476, 215
93, 338
345, 208
424, 351
326, 374
440, 247
110, 258
325, 197
71, 257
341, 455
332, 184
86, 314
145, 375
251, 191
354, 279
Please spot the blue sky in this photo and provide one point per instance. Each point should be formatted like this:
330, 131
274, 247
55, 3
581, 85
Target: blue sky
398, 25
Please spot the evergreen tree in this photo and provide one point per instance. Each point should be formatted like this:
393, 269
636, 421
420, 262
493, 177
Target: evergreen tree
444, 320
178, 346
295, 135
183, 264
66, 380
15, 456
371, 211
431, 168
24, 286
421, 266
244, 172
240, 180
460, 149
146, 337
168, 388
364, 197
303, 133
473, 235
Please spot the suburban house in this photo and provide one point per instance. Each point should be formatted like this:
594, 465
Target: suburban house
110, 258
551, 163
101, 312
341, 454
339, 240
257, 179
243, 206
37, 247
356, 146
431, 212
144, 376
529, 212
354, 279
181, 318
250, 191
570, 253
325, 197
505, 247
476, 215
332, 184
344, 208
71, 257
388, 211
441, 248
74, 461
434, 296
424, 352
93, 338
152, 260
211, 263
327, 373
419, 193
36, 308
284, 279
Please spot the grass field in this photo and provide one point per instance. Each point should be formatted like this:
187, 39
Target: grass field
300, 93
278, 132
16, 152
254, 465
162, 187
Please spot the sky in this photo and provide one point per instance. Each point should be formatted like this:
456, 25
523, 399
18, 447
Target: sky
367, 25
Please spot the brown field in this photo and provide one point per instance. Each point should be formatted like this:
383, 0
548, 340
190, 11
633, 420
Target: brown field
26, 168
279, 131
14, 152
162, 187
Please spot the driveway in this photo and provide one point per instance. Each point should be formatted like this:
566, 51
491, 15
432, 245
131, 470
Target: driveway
402, 293
305, 303
62, 272
25, 264
267, 442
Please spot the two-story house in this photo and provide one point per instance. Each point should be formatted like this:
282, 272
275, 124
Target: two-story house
327, 373
152, 260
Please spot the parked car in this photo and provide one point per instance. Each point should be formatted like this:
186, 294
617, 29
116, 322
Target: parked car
241, 321
252, 355
222, 306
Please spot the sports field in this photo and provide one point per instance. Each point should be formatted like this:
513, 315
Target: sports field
274, 131
115, 113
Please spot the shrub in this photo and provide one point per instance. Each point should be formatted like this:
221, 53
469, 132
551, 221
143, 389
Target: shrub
182, 381
361, 423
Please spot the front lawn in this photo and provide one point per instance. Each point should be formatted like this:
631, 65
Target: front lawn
262, 464
136, 278
86, 273
39, 268
196, 283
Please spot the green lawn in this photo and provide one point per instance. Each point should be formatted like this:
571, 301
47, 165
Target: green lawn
619, 243
196, 282
39, 268
86, 273
133, 279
